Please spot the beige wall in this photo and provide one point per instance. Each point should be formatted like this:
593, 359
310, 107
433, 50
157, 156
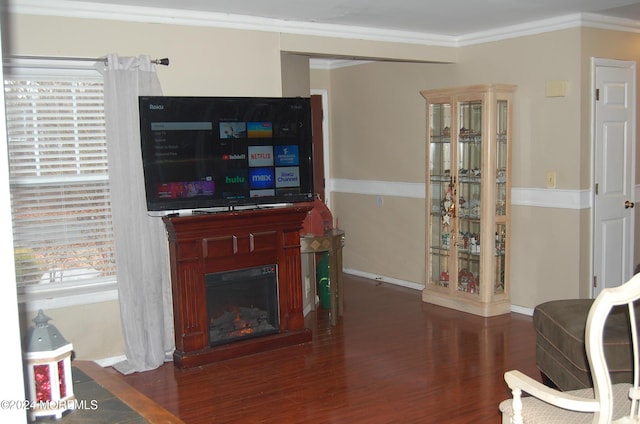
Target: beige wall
295, 75
385, 240
378, 122
204, 61
95, 329
542, 125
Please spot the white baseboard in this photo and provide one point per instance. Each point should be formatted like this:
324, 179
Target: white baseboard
306, 310
522, 310
390, 280
107, 362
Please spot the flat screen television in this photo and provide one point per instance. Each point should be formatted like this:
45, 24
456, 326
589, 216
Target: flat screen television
218, 153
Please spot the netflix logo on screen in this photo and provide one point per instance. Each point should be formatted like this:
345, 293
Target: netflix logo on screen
260, 155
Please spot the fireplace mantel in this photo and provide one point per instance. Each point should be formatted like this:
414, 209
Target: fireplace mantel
208, 243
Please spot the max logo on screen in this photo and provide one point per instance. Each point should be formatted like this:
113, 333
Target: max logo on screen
260, 178
156, 107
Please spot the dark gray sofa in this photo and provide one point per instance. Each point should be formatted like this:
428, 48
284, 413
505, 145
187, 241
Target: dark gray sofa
560, 351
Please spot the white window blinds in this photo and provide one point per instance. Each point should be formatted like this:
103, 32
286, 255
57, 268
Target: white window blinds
59, 176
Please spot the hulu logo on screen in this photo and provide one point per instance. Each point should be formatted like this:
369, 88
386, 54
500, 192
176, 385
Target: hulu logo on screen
234, 180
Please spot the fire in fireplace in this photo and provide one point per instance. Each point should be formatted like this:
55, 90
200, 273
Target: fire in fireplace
242, 304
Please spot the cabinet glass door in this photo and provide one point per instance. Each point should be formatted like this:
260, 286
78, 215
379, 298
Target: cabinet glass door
469, 166
440, 189
502, 129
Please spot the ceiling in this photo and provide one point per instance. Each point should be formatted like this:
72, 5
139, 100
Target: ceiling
450, 18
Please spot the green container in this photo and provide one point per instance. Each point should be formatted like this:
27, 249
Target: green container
325, 293
322, 277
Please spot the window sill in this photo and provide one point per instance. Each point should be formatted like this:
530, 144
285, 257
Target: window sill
62, 295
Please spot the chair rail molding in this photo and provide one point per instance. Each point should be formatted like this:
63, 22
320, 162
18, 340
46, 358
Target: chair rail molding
520, 196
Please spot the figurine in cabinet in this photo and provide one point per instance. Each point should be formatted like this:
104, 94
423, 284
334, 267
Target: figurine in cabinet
448, 208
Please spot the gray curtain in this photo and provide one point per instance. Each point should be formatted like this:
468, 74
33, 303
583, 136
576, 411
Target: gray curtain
141, 244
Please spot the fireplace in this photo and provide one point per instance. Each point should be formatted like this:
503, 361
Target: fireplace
247, 258
242, 304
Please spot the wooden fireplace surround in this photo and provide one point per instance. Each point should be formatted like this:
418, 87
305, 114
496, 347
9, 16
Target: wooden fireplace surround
208, 243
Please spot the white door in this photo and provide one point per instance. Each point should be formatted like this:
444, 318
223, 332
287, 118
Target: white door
614, 162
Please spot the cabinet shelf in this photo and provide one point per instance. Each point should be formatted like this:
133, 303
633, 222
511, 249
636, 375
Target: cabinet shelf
467, 139
468, 198
440, 178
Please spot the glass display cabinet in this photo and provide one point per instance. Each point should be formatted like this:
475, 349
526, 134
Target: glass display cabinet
468, 198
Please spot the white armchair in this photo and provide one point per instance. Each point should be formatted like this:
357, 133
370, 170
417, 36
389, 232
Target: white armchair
605, 402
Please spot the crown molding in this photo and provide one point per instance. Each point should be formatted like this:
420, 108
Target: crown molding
610, 23
80, 9
522, 30
549, 25
330, 64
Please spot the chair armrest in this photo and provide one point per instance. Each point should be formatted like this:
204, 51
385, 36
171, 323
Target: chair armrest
519, 381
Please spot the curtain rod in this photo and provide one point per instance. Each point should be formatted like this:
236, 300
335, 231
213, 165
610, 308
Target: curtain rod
164, 61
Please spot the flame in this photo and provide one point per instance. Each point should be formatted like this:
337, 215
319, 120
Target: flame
243, 328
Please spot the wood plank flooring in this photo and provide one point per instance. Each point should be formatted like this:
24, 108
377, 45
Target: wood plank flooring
391, 359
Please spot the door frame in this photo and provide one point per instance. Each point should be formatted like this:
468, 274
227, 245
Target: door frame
328, 184
595, 63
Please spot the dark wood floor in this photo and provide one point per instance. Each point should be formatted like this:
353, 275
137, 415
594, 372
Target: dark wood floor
391, 359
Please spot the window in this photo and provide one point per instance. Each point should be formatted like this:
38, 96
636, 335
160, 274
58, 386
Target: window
58, 176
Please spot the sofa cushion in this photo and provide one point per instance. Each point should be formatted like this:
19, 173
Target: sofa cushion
560, 351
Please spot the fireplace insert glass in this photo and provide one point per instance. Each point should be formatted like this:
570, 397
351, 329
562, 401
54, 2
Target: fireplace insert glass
242, 304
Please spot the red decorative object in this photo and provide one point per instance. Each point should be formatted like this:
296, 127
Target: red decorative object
444, 278
43, 383
319, 219
467, 281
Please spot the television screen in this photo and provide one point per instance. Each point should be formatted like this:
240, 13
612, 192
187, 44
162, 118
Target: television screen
220, 152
